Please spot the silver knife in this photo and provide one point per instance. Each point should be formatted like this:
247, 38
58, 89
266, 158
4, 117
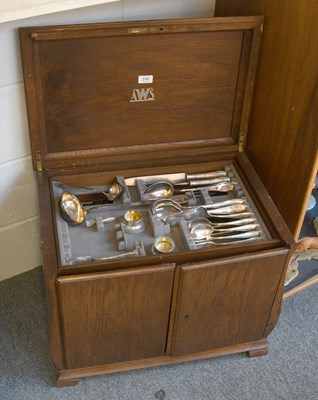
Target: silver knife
151, 178
179, 176
201, 182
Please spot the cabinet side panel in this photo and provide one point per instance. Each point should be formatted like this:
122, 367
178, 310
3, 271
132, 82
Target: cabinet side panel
115, 317
282, 141
226, 302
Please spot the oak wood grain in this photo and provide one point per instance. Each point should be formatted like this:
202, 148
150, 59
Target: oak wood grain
282, 141
159, 309
115, 316
81, 82
66, 376
234, 295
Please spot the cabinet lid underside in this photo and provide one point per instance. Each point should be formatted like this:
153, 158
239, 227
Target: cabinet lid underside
118, 92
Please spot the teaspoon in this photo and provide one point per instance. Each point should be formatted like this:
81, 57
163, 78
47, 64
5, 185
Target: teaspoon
236, 222
169, 207
171, 202
207, 231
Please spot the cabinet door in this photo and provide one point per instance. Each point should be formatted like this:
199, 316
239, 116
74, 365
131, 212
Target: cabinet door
225, 302
115, 316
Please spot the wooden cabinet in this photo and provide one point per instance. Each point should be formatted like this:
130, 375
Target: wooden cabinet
122, 100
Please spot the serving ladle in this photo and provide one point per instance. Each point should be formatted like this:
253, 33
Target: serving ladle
164, 189
72, 210
111, 194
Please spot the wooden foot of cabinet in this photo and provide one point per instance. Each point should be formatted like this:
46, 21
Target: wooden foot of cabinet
258, 353
67, 382
70, 377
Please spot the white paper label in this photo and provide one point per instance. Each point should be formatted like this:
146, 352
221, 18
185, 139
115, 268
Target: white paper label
145, 79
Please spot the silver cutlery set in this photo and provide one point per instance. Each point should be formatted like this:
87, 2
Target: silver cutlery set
153, 215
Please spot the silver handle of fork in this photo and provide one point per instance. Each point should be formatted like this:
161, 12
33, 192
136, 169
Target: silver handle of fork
240, 241
234, 208
245, 235
224, 203
206, 175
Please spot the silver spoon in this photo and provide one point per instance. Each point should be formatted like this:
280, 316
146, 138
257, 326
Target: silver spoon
243, 221
204, 231
200, 212
174, 215
164, 189
166, 207
171, 202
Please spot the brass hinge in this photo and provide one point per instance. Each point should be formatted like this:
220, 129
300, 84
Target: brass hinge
242, 142
38, 161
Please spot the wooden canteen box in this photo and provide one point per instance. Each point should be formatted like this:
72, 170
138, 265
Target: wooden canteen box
151, 277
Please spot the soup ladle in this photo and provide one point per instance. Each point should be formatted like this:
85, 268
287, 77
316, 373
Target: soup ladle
114, 190
72, 210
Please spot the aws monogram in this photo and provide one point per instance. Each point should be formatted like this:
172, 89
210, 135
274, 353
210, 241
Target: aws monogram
142, 95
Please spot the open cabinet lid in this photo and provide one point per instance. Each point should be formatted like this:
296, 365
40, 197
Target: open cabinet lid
128, 91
